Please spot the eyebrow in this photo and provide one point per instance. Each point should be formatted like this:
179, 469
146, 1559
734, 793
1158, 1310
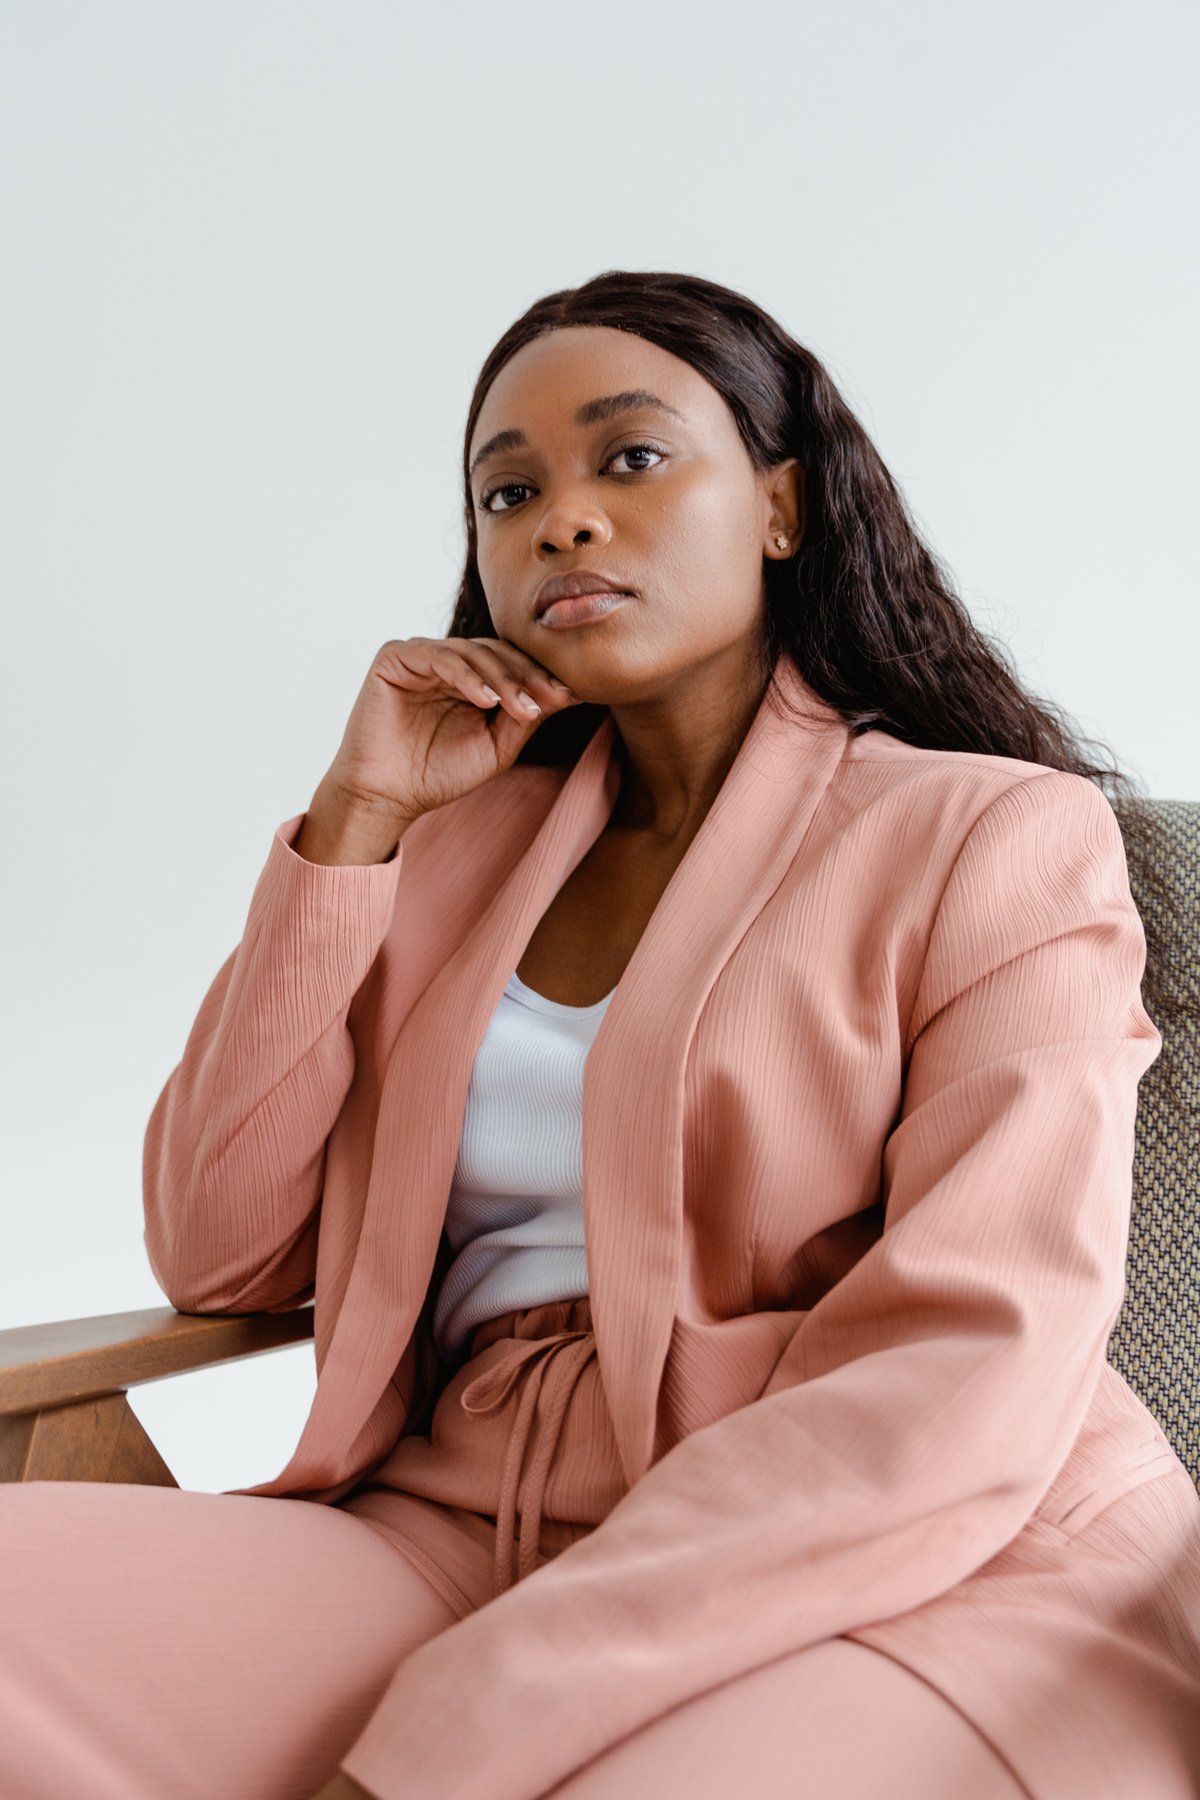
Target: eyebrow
607, 407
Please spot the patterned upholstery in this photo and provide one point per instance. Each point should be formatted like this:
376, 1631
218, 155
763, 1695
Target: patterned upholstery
1156, 1341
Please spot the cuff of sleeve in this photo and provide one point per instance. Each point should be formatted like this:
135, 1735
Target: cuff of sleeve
350, 902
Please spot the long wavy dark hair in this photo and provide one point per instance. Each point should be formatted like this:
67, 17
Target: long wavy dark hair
865, 609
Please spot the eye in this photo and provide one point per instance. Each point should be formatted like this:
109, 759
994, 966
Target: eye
510, 487
636, 450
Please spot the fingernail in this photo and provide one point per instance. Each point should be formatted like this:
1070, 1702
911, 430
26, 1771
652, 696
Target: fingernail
528, 702
555, 682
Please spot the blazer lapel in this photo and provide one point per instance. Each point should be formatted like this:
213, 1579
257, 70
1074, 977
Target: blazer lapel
633, 1094
634, 1077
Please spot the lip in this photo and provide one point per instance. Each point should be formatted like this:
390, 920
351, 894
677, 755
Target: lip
578, 582
581, 609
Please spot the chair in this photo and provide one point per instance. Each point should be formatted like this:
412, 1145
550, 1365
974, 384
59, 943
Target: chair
64, 1415
1155, 1343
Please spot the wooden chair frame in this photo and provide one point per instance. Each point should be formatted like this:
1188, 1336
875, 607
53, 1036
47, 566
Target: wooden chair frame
64, 1415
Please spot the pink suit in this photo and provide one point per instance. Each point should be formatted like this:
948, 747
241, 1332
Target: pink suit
857, 1142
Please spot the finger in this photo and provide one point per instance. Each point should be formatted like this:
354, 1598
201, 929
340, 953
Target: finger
535, 675
486, 682
517, 679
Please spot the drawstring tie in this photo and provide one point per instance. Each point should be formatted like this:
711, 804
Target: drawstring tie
569, 1353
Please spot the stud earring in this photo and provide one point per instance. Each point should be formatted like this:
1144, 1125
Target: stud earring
781, 543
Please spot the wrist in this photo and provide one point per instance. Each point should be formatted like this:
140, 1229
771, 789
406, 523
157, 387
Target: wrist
343, 830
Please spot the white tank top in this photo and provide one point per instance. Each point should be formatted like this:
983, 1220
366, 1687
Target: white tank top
515, 1215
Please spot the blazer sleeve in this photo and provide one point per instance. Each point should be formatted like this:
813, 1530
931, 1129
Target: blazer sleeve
922, 1408
234, 1151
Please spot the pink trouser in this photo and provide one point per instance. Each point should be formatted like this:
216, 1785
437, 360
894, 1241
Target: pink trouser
157, 1644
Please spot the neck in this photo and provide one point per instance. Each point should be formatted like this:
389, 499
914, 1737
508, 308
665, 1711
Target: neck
676, 750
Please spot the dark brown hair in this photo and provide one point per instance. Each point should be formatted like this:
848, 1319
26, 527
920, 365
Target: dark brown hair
865, 609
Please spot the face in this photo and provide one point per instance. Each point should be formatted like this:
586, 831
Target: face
660, 497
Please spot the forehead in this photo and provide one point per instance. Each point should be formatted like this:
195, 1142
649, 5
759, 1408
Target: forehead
544, 385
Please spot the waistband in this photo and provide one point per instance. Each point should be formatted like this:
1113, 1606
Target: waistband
549, 1347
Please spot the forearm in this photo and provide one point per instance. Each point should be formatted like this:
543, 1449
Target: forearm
234, 1148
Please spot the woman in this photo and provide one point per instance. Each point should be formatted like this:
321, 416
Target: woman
738, 1420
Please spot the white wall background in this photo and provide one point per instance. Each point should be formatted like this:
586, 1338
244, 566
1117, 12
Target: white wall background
254, 254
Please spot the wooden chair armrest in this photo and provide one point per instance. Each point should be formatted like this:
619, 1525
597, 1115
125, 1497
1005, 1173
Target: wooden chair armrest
79, 1359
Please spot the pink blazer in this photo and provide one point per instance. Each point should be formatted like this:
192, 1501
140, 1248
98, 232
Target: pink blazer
858, 1131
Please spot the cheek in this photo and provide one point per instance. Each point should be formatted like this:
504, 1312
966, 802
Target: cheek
713, 518
708, 548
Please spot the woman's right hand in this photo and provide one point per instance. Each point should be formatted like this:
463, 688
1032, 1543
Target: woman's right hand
425, 728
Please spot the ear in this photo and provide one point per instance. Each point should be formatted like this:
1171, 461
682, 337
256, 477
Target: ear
784, 509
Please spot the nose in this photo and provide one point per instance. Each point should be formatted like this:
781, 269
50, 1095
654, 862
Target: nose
563, 527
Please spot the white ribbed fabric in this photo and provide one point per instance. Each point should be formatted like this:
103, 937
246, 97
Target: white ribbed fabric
515, 1216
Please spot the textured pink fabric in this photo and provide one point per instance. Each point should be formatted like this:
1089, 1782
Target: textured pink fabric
857, 1144
159, 1645
502, 1445
833, 1722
